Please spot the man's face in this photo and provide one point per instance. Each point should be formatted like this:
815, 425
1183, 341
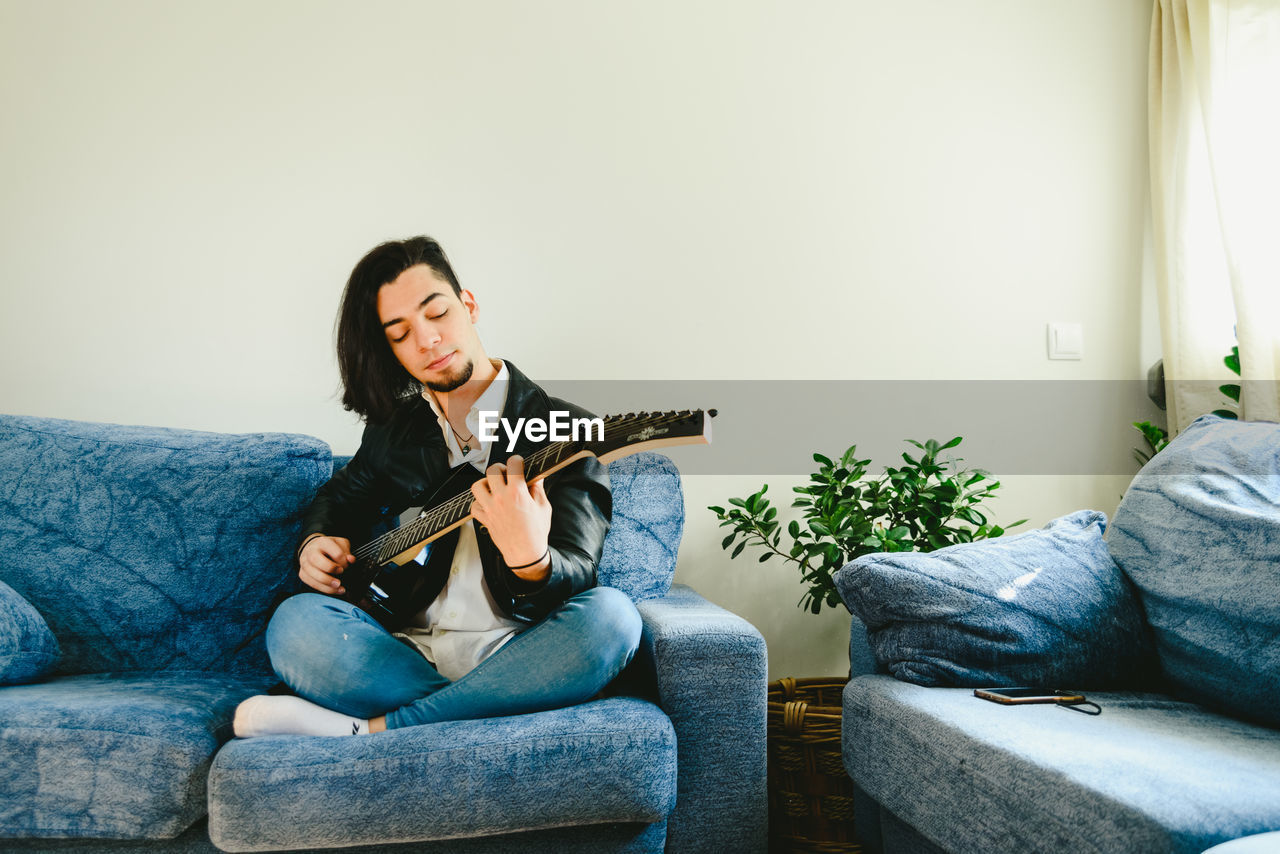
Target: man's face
430, 329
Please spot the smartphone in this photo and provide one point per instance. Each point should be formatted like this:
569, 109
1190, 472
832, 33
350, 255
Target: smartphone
1018, 696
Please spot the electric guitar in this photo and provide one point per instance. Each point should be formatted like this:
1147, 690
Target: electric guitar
385, 569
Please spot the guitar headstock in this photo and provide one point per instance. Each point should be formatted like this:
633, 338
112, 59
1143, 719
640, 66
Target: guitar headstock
644, 431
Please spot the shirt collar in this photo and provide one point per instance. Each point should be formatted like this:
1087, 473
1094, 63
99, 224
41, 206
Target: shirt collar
492, 399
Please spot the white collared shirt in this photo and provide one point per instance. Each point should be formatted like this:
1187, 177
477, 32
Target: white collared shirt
464, 625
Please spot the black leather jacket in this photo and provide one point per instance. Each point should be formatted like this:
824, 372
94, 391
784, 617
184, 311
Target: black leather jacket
402, 461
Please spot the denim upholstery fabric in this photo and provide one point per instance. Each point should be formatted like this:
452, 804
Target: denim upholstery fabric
1047, 607
606, 761
1148, 774
156, 555
112, 755
1199, 533
148, 548
1258, 843
634, 838
648, 521
28, 650
711, 671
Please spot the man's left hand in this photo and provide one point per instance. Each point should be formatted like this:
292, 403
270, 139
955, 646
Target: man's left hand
517, 515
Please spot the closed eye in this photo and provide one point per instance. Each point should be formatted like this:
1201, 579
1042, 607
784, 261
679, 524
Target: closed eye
397, 340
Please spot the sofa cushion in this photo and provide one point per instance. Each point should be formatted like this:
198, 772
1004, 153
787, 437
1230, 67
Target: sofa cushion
1149, 773
28, 650
606, 761
640, 549
1198, 531
123, 756
1047, 607
148, 548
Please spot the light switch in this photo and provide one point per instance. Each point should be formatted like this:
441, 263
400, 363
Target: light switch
1066, 341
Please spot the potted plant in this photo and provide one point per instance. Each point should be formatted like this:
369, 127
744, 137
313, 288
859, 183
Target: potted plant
925, 504
1157, 437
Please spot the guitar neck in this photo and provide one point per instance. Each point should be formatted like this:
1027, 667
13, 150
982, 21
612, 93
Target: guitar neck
623, 435
452, 512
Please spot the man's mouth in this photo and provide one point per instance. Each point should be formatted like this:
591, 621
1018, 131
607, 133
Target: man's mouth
440, 363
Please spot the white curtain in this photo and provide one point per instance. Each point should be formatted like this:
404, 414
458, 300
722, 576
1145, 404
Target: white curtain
1215, 179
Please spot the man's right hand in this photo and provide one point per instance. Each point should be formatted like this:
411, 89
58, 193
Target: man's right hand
322, 560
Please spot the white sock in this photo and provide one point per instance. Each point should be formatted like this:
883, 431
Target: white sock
284, 715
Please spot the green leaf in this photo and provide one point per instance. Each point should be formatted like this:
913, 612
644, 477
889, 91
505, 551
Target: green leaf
1232, 361
737, 502
1225, 413
727, 541
1232, 391
765, 556
953, 443
719, 511
738, 550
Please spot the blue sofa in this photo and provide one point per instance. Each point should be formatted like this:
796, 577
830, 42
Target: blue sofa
1171, 624
139, 568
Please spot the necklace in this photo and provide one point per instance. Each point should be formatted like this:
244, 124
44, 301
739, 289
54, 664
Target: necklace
465, 443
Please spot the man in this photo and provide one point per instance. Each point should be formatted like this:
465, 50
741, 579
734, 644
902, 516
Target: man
508, 619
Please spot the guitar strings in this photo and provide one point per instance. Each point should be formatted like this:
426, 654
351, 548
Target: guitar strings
400, 539
442, 514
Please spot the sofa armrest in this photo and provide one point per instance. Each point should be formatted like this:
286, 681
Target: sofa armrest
710, 669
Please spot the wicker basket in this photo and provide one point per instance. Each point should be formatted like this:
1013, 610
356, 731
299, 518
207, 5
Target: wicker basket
810, 794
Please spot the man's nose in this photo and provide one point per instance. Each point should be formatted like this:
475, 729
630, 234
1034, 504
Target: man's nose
427, 336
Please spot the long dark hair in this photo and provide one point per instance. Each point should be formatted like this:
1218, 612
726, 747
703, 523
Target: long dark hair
372, 378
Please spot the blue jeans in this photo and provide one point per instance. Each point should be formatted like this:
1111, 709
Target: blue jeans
334, 654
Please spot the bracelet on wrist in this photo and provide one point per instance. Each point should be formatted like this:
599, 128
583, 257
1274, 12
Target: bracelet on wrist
535, 563
298, 553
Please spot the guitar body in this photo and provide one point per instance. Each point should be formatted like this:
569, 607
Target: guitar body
388, 591
386, 586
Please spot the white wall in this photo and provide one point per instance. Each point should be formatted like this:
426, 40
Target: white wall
635, 191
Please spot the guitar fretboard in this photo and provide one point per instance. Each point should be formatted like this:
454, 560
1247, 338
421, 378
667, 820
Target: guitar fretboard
619, 430
457, 508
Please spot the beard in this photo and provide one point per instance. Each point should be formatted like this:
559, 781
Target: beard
449, 383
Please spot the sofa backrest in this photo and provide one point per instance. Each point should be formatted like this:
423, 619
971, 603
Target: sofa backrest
1198, 532
148, 548
648, 521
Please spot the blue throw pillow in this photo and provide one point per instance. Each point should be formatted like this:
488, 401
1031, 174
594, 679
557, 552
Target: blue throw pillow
1047, 608
1199, 534
28, 650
